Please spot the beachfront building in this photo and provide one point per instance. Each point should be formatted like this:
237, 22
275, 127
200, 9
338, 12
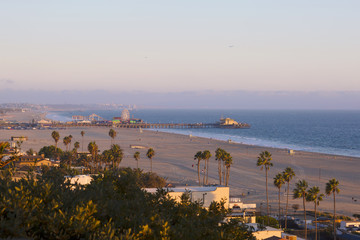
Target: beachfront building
349, 226
204, 195
266, 232
247, 211
228, 121
34, 161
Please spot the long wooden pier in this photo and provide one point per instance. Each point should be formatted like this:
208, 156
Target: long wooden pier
133, 125
159, 125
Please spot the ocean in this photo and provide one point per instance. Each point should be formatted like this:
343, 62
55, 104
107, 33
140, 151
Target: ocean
325, 131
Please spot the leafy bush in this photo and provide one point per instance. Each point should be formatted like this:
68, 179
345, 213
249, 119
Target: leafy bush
267, 221
113, 206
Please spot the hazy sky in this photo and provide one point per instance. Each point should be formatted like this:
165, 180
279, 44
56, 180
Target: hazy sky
180, 45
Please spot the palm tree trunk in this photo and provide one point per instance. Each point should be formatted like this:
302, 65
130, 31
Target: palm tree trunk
315, 223
287, 203
224, 172
151, 164
228, 176
334, 217
267, 196
207, 171
204, 177
198, 168
219, 171
305, 217
137, 164
279, 208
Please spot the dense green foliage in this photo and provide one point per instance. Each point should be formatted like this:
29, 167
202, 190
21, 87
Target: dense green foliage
268, 221
49, 151
113, 206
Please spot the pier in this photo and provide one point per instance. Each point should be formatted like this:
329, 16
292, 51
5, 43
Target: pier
157, 125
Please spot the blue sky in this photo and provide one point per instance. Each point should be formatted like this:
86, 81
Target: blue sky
174, 46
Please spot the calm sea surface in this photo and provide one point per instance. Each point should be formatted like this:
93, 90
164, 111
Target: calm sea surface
334, 132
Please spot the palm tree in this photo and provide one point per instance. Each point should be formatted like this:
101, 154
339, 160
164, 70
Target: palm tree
218, 157
82, 142
117, 154
314, 195
56, 136
108, 157
137, 157
93, 149
332, 187
264, 161
66, 141
112, 134
75, 151
300, 192
278, 182
228, 161
76, 146
198, 156
206, 157
70, 138
150, 154
288, 175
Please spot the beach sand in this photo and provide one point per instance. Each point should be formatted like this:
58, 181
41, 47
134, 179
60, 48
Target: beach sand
174, 160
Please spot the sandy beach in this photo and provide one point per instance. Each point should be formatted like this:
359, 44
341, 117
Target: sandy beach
174, 160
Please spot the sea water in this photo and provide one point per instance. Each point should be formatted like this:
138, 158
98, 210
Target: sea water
332, 132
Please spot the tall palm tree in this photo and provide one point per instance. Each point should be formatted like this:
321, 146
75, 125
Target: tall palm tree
228, 162
218, 157
117, 154
56, 136
300, 192
82, 142
75, 151
198, 156
278, 182
332, 187
206, 157
150, 154
288, 175
314, 195
137, 158
108, 157
112, 134
66, 142
264, 161
93, 149
76, 146
70, 138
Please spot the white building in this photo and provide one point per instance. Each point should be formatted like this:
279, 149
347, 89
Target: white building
345, 225
204, 195
267, 232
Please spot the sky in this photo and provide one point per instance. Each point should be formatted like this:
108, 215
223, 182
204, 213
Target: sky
176, 46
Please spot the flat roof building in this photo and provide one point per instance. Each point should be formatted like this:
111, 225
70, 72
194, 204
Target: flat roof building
204, 195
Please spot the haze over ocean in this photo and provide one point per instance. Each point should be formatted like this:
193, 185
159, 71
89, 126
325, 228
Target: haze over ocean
325, 131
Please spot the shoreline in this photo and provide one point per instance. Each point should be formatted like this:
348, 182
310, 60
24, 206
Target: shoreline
237, 139
296, 149
174, 160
